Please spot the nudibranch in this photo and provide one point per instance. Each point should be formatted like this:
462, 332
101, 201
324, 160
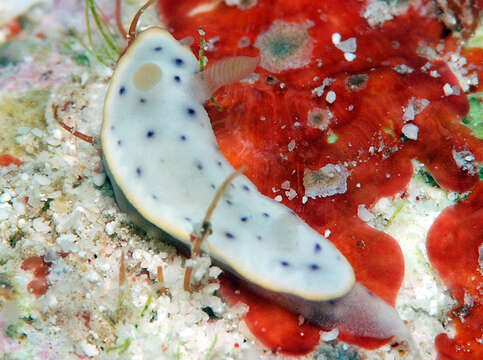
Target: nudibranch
162, 157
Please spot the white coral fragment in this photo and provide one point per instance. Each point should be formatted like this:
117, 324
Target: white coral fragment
415, 107
410, 131
331, 96
347, 46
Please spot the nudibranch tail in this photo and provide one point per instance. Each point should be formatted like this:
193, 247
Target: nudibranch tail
359, 313
369, 315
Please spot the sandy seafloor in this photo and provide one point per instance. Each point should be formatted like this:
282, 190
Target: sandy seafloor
57, 202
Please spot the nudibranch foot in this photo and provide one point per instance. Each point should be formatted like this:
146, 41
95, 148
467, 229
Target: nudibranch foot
360, 313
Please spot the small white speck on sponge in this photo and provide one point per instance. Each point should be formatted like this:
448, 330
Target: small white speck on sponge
410, 131
331, 96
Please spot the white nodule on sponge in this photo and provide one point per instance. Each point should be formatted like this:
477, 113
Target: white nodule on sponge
161, 153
